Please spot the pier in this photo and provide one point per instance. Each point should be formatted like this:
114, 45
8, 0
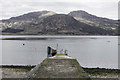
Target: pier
58, 66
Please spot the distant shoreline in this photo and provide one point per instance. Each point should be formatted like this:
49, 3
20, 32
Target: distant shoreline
45, 37
56, 34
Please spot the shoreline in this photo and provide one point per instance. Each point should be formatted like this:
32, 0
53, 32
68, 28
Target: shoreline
31, 66
50, 35
10, 71
45, 37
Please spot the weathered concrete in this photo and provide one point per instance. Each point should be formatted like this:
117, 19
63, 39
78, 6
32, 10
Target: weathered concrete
58, 68
9, 71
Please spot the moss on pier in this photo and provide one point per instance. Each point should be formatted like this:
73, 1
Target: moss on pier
58, 68
92, 72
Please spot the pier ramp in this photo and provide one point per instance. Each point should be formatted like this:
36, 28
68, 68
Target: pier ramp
58, 66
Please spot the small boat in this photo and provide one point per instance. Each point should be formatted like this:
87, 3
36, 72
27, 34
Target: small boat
52, 52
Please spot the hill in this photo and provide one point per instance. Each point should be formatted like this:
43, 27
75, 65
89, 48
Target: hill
48, 22
93, 20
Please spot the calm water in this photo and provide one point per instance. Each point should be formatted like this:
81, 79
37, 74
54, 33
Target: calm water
90, 51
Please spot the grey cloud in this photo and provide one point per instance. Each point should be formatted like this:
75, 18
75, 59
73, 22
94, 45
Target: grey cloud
102, 9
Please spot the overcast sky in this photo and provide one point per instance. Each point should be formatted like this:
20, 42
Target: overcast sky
101, 8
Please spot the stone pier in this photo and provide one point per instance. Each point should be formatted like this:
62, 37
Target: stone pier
59, 66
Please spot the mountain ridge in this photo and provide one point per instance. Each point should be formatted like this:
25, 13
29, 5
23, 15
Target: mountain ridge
93, 20
48, 22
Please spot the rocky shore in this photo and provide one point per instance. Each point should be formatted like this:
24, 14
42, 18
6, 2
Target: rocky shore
58, 66
10, 71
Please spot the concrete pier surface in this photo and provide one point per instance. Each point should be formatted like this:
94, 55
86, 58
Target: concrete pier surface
59, 66
14, 72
